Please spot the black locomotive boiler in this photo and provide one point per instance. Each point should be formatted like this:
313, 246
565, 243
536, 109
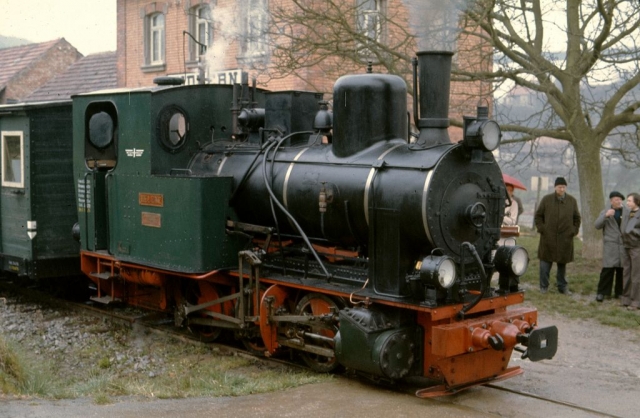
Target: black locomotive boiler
337, 235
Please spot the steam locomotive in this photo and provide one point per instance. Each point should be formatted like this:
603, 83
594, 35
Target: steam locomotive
337, 235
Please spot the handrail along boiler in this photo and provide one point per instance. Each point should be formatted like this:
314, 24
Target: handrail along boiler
326, 233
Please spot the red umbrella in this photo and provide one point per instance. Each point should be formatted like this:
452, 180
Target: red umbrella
512, 181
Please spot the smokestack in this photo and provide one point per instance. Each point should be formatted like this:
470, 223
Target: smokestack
434, 81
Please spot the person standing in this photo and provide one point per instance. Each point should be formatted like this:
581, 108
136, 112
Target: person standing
511, 212
613, 251
558, 222
515, 210
631, 260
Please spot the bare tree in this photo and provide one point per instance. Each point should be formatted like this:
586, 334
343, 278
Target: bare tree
582, 57
333, 37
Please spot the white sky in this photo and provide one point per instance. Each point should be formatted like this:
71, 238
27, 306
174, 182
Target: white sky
88, 25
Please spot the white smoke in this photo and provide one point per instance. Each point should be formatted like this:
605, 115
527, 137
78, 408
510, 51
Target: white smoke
435, 23
225, 32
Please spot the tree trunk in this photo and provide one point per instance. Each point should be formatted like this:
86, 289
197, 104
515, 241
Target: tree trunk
591, 196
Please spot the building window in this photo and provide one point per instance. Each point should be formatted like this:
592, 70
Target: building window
369, 19
12, 159
157, 38
154, 39
369, 23
256, 20
201, 28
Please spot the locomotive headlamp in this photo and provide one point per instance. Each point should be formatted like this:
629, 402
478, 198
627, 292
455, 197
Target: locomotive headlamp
438, 271
485, 134
511, 261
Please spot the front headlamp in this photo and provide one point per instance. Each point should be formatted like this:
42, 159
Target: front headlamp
511, 261
484, 134
438, 271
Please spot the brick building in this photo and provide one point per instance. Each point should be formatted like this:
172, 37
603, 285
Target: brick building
218, 39
158, 38
26, 68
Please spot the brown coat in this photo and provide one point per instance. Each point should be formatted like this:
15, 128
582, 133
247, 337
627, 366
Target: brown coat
557, 221
630, 228
631, 260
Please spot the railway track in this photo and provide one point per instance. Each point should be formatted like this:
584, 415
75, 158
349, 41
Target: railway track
512, 402
570, 405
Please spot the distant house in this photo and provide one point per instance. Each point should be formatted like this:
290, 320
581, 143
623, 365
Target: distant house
519, 96
24, 69
93, 72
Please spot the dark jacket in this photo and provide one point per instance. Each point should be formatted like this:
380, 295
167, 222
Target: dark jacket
631, 230
612, 250
557, 221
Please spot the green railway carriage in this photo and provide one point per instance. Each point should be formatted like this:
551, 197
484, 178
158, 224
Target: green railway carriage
136, 199
37, 205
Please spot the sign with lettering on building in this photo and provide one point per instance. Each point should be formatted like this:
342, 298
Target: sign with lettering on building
212, 77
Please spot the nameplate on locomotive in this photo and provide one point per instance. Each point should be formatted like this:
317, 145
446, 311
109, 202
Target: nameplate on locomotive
153, 220
151, 199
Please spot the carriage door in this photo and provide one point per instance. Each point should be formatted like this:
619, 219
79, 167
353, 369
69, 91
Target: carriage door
14, 198
100, 155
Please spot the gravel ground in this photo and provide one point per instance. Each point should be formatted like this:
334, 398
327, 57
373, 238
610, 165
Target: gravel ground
75, 342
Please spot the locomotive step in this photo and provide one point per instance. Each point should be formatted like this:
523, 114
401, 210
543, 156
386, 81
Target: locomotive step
104, 275
104, 299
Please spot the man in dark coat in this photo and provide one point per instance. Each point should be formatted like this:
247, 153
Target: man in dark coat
612, 249
558, 222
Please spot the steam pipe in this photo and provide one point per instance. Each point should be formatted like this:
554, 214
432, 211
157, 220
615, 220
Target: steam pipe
414, 62
235, 111
483, 282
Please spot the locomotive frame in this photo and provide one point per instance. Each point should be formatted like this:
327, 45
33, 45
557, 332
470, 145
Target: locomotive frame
364, 248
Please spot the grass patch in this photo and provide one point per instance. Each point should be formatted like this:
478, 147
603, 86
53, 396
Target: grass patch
582, 276
12, 373
101, 399
175, 370
22, 375
199, 372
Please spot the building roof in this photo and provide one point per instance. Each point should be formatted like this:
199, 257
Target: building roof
20, 58
93, 72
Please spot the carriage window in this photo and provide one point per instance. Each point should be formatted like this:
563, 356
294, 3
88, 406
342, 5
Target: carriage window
12, 159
